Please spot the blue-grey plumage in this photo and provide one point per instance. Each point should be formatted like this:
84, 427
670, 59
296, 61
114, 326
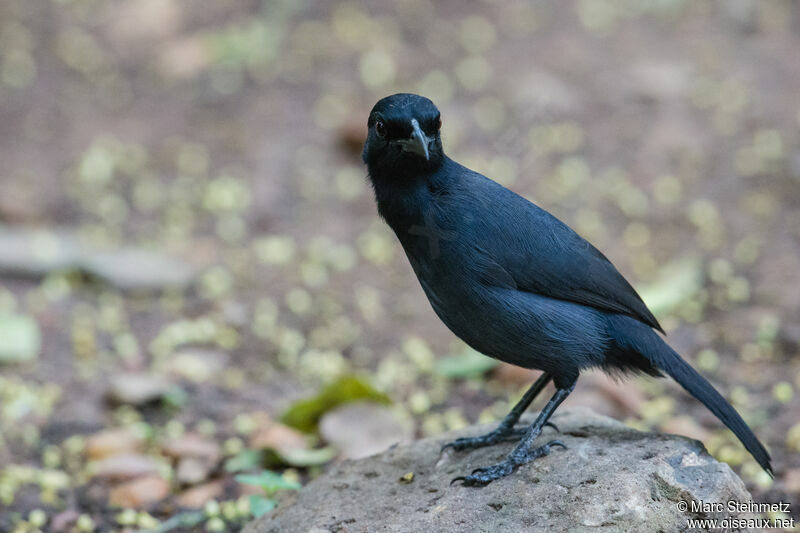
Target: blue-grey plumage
510, 279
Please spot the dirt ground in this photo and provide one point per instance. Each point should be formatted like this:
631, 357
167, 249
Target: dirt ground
225, 136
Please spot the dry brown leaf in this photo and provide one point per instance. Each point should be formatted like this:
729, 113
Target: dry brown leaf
125, 466
197, 497
113, 442
139, 493
278, 437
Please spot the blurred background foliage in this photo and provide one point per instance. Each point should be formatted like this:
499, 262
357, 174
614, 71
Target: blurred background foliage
194, 283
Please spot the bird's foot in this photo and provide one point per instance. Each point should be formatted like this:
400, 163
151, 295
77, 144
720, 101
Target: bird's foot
483, 476
471, 443
498, 435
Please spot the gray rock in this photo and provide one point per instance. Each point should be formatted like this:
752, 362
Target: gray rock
611, 478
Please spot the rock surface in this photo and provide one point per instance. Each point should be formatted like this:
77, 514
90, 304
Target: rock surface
611, 478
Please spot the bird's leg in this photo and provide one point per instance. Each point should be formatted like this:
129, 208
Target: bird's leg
525, 451
505, 430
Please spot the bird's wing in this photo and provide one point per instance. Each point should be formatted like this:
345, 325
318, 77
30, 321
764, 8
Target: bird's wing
545, 256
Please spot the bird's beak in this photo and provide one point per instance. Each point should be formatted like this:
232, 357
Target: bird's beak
418, 142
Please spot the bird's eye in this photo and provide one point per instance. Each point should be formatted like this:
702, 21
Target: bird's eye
380, 129
438, 123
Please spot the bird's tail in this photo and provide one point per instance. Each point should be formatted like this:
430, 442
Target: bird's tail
699, 387
666, 359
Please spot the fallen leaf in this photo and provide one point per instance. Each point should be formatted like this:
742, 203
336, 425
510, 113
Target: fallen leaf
268, 480
305, 414
363, 429
193, 470
259, 505
112, 442
303, 458
244, 461
278, 437
139, 493
192, 445
197, 497
124, 466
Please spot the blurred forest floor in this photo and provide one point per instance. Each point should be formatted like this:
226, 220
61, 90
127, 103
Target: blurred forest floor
189, 245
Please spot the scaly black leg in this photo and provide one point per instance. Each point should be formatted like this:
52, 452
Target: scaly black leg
524, 452
505, 430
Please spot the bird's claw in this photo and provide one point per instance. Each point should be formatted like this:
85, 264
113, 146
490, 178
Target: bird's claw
541, 451
466, 443
469, 443
451, 444
498, 435
485, 475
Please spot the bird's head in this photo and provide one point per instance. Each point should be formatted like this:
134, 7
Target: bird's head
403, 140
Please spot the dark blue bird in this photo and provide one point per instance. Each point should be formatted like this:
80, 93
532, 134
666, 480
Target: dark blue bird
513, 281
